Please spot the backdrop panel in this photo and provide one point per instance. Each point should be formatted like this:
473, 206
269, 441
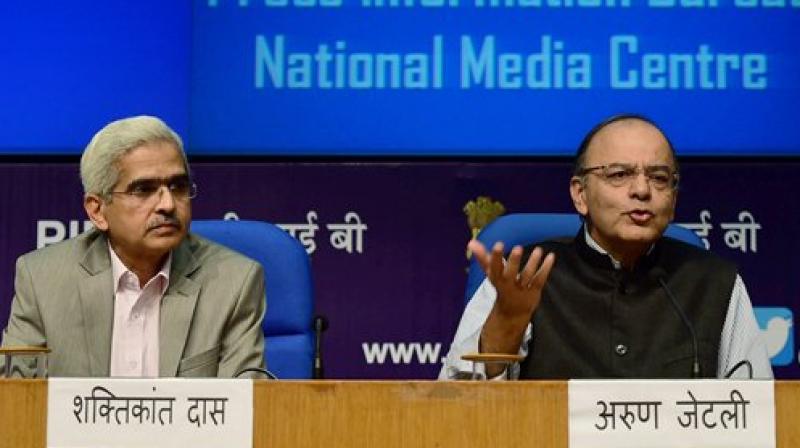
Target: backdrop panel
393, 291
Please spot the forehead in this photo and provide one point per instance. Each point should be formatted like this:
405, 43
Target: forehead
158, 160
628, 141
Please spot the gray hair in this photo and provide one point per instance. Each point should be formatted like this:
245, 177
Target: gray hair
99, 170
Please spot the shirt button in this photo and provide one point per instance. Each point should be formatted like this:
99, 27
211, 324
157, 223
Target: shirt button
621, 349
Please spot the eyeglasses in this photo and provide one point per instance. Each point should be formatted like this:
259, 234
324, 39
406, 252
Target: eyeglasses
181, 188
659, 177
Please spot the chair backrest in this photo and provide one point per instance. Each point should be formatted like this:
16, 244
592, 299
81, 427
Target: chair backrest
528, 228
288, 332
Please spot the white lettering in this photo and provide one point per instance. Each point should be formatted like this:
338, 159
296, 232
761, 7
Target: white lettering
428, 353
50, 231
374, 353
401, 353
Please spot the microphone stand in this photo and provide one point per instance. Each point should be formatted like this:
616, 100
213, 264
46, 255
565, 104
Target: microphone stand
688, 324
320, 324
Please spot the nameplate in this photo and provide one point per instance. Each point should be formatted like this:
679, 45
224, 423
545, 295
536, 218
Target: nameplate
168, 412
666, 414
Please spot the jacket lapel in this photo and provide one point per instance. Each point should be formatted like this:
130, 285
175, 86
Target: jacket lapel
96, 293
177, 309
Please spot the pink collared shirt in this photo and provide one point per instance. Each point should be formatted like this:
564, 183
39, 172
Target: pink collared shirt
134, 342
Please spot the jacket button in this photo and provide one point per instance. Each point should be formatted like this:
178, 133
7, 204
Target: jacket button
621, 349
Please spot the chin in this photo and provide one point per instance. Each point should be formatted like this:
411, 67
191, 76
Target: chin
167, 242
642, 235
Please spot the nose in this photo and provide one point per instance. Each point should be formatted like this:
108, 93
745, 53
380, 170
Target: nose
640, 187
166, 201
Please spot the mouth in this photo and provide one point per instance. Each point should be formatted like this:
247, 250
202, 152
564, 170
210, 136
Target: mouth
639, 216
165, 227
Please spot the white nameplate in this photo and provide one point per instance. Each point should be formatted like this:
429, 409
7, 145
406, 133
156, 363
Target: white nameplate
170, 412
666, 414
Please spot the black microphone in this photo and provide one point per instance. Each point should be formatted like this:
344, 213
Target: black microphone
320, 324
689, 326
738, 365
265, 372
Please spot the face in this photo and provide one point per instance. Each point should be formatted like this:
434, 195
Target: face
143, 228
625, 218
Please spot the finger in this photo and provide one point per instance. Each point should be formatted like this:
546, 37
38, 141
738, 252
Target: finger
544, 271
495, 270
478, 251
511, 271
526, 276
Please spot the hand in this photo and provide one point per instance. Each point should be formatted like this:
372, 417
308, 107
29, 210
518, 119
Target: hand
518, 294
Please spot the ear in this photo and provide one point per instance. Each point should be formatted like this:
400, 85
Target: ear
95, 209
578, 192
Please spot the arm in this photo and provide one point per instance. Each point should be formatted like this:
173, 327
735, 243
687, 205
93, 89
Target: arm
468, 334
243, 341
25, 326
741, 338
518, 293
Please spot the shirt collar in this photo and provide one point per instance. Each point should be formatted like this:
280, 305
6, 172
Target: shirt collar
593, 244
119, 270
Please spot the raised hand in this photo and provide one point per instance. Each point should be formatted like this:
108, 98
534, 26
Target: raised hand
518, 293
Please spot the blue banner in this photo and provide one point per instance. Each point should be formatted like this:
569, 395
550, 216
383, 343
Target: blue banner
402, 77
495, 77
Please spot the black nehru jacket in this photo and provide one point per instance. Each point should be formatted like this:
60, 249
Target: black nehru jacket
595, 321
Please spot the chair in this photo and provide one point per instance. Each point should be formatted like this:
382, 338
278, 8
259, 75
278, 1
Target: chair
527, 228
288, 332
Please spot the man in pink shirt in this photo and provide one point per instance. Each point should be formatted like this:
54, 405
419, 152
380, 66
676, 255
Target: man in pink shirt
138, 295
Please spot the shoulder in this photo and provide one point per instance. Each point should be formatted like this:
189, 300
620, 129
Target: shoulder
557, 245
225, 275
678, 254
64, 252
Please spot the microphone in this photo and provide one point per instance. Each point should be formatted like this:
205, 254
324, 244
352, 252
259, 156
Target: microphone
688, 325
265, 372
738, 365
320, 324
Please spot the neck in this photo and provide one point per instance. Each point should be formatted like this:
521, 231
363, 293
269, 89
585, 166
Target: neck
144, 274
628, 259
144, 267
627, 253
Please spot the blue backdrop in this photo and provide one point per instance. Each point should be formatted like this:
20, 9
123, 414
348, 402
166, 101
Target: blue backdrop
447, 77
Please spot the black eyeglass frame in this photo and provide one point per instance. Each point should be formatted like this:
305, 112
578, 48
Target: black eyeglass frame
636, 169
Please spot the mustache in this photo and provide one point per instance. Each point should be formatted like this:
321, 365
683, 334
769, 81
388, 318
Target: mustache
165, 220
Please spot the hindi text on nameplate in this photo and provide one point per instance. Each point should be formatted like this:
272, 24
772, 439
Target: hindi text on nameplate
667, 414
101, 412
